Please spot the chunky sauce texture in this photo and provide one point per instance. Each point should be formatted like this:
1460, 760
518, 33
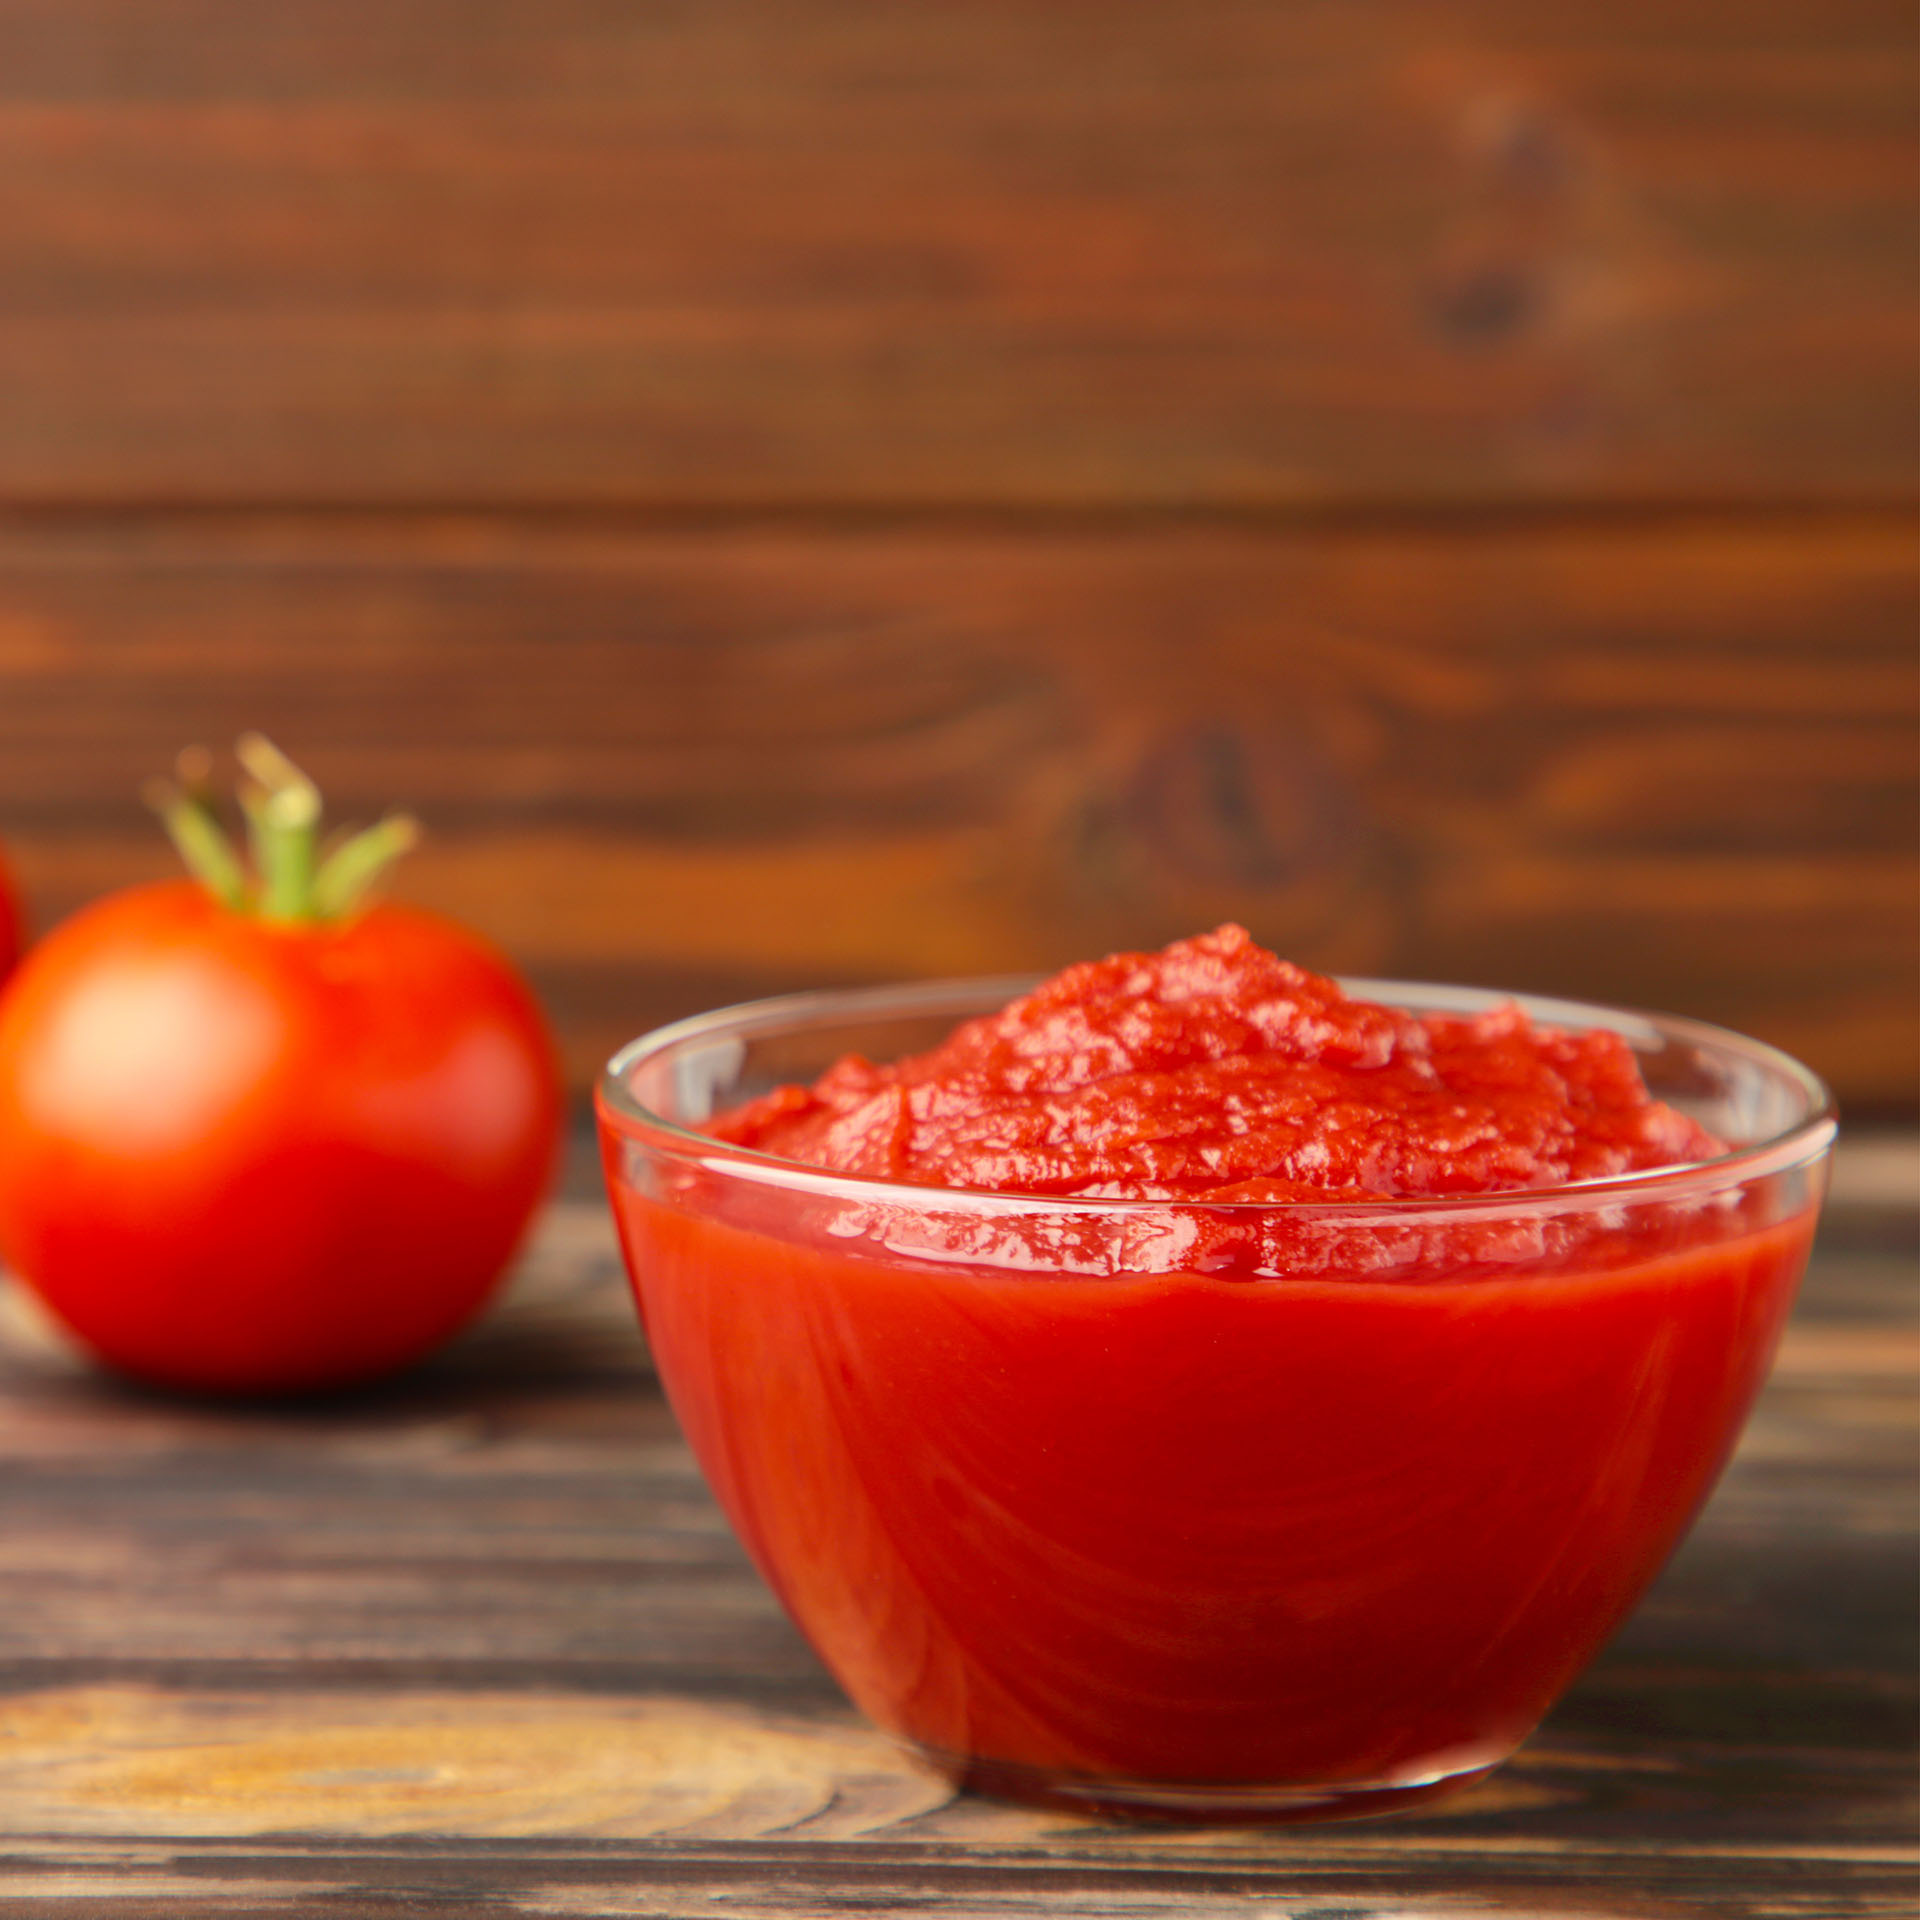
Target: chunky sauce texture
1214, 1071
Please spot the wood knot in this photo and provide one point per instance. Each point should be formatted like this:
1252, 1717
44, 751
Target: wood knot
1484, 304
1220, 804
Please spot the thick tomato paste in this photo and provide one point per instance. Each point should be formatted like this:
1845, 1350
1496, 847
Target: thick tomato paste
1191, 1493
1214, 1071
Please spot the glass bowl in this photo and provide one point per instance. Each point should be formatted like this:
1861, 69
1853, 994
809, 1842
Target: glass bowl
1201, 1511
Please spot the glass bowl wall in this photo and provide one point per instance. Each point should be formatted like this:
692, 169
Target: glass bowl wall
1198, 1510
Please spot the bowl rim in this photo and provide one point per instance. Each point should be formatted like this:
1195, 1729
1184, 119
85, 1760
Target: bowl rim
1802, 1143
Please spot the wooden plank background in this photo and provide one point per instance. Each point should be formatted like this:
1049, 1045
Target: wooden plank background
768, 250
804, 493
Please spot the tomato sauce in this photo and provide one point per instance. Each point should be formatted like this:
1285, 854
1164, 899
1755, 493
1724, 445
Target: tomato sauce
1215, 1071
1199, 1492
1176, 1528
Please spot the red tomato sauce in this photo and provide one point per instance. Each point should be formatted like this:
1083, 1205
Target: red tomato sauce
1215, 1071
1178, 1529
1213, 1495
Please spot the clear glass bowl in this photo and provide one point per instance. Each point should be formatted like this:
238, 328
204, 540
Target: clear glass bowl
1200, 1511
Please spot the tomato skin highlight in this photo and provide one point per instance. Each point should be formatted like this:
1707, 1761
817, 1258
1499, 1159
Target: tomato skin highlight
243, 1156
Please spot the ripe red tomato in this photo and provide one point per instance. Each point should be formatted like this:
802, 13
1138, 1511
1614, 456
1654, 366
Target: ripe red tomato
246, 1153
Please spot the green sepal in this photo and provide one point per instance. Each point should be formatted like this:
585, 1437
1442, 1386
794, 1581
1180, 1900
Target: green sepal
352, 867
201, 841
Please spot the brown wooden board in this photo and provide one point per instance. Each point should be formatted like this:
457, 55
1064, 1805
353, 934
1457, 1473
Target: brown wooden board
1670, 765
766, 251
477, 1643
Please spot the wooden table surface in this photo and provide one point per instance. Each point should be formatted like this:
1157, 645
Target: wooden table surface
479, 1643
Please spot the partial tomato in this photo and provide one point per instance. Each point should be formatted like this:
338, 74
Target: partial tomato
13, 934
256, 1135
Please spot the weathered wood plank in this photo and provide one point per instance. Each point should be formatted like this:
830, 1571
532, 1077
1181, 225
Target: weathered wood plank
770, 1882
1670, 766
756, 251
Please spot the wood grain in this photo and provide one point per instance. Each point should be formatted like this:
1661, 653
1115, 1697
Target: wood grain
761, 252
1670, 765
429, 1649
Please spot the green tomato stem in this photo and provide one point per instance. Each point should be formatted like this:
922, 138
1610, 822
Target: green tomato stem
282, 826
